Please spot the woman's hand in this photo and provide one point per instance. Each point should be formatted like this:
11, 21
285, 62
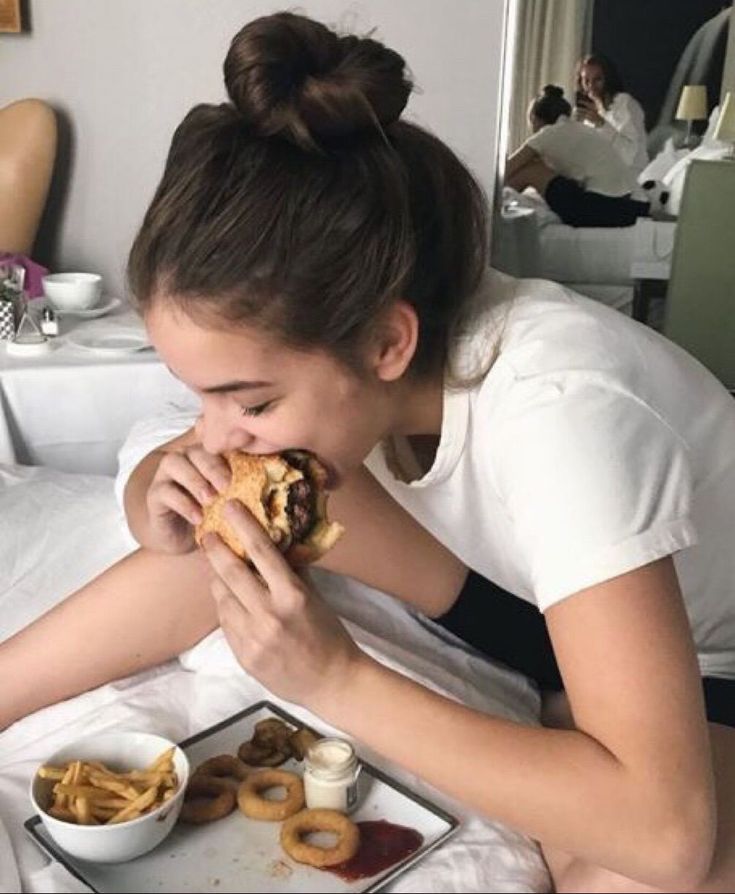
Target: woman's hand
588, 109
185, 480
278, 627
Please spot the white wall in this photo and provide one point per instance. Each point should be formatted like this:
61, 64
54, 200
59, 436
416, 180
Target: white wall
122, 73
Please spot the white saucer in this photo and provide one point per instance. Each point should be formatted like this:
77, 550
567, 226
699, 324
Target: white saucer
99, 311
29, 346
111, 343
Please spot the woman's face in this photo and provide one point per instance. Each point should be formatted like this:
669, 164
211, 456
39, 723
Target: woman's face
593, 80
262, 397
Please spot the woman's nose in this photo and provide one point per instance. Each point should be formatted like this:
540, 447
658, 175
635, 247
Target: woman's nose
219, 435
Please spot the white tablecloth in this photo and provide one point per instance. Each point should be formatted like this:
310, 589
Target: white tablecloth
71, 409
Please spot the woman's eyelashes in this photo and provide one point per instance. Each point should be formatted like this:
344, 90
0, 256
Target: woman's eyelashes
256, 410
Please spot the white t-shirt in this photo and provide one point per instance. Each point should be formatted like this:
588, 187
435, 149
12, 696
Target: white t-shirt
593, 446
579, 152
625, 128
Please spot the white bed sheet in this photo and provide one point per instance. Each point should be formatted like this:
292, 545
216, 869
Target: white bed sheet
58, 529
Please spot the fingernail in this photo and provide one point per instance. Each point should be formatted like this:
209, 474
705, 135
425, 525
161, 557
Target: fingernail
195, 516
207, 495
209, 540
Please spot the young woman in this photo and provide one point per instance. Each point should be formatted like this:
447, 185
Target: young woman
603, 102
314, 268
580, 175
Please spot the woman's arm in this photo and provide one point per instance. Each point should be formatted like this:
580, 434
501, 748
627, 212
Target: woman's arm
623, 124
630, 789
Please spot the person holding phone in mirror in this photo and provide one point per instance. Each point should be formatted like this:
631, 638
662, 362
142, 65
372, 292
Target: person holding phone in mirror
576, 170
602, 102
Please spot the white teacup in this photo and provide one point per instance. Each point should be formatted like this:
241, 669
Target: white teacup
73, 291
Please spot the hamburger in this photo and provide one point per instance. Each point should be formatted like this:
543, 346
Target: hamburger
287, 494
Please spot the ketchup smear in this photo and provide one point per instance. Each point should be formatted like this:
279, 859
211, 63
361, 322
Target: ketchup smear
381, 845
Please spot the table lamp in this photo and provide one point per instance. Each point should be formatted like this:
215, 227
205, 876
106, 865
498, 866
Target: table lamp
725, 127
692, 107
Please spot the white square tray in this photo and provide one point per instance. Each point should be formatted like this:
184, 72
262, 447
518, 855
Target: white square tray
237, 854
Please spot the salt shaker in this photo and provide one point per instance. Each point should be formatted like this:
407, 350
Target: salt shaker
330, 777
49, 322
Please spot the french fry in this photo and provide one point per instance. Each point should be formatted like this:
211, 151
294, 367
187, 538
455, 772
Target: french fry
84, 813
164, 761
137, 806
52, 773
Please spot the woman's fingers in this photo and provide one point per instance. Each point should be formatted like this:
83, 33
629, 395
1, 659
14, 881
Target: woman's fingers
170, 497
234, 575
202, 474
260, 549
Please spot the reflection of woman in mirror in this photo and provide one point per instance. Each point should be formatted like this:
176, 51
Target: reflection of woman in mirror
577, 171
601, 101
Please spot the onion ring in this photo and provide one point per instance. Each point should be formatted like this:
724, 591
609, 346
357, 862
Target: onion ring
261, 755
252, 803
220, 800
224, 766
307, 821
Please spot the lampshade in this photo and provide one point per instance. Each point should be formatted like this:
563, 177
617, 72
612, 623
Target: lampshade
725, 128
692, 103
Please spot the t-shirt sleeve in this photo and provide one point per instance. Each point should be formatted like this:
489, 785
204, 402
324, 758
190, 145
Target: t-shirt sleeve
595, 483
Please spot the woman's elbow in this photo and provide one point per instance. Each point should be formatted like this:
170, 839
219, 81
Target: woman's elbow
685, 850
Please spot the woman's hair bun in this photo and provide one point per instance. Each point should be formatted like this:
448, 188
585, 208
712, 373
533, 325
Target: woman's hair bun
290, 76
553, 90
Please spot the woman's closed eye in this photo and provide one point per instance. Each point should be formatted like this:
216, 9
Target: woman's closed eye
257, 410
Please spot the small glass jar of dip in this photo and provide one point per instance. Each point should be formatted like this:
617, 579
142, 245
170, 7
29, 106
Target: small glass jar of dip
330, 777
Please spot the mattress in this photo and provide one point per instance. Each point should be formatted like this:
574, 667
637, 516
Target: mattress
586, 254
611, 256
47, 516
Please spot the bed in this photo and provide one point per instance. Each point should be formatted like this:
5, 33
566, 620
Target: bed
600, 262
58, 529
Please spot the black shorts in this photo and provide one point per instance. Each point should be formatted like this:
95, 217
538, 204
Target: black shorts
508, 629
579, 207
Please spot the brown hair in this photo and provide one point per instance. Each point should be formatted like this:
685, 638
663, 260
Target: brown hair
304, 206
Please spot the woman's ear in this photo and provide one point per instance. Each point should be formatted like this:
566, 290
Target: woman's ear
394, 341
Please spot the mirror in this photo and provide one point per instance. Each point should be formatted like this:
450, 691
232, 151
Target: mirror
658, 47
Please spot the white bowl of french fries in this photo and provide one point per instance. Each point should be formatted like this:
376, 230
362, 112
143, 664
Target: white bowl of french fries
111, 797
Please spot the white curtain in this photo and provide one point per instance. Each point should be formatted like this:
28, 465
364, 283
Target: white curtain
550, 36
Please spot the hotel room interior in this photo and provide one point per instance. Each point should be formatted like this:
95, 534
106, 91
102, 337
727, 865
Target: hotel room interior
114, 78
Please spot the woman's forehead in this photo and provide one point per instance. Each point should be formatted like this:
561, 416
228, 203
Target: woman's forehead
228, 353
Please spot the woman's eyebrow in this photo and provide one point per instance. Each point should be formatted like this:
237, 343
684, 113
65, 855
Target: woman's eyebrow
225, 387
236, 385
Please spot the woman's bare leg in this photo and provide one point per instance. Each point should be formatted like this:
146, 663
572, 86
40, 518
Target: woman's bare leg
142, 611
535, 174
